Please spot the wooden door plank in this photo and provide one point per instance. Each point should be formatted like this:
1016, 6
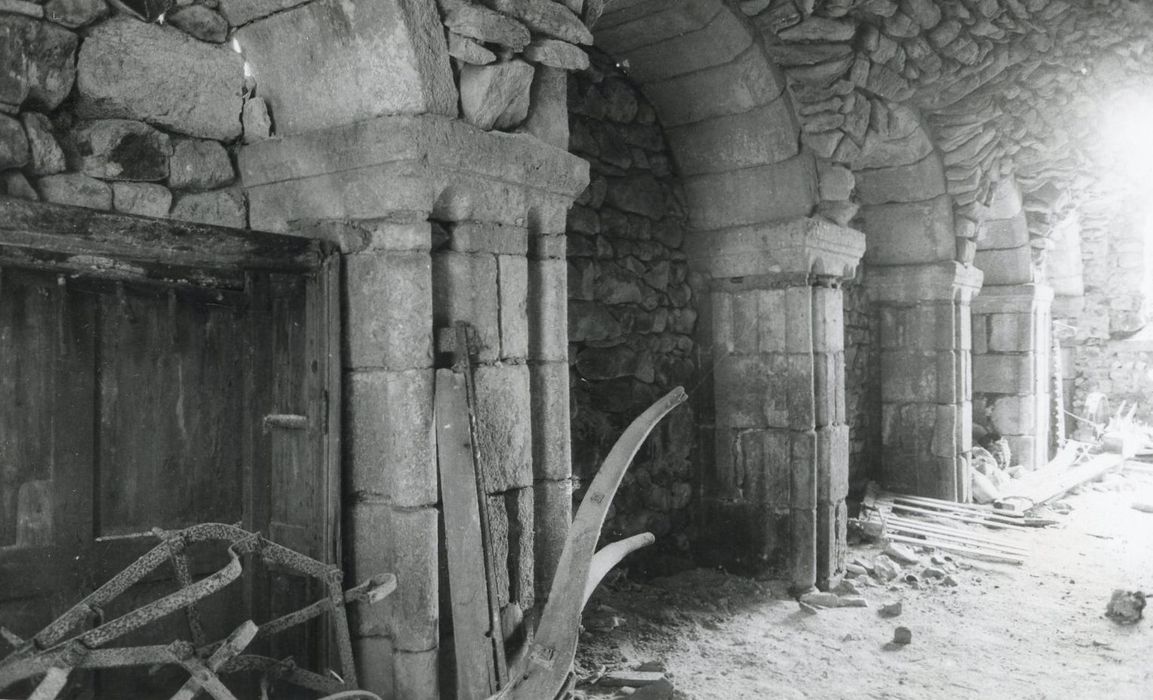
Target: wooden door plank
466, 579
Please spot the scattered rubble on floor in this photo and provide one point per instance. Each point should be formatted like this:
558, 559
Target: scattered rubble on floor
902, 636
1125, 607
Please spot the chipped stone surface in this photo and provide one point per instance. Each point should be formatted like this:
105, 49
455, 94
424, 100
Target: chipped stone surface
121, 149
240, 12
557, 54
47, 158
75, 13
147, 72
77, 190
200, 22
256, 120
381, 57
469, 50
546, 17
39, 62
141, 198
476, 22
14, 152
199, 164
218, 207
16, 185
496, 96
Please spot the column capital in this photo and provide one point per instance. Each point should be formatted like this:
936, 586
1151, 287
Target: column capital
943, 281
798, 246
373, 168
1013, 299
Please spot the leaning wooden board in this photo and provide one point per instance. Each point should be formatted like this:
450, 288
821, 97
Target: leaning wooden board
468, 591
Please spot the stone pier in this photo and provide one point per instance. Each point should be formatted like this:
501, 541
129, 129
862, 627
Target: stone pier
439, 222
1011, 382
926, 386
777, 343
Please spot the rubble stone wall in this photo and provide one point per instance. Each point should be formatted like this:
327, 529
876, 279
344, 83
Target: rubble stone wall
107, 111
632, 311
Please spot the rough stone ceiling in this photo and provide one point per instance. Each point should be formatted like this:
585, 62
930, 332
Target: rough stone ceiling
1005, 87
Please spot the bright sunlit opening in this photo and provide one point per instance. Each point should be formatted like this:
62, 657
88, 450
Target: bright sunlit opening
1126, 137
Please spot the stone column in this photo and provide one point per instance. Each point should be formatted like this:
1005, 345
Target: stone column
549, 382
1011, 346
777, 337
926, 430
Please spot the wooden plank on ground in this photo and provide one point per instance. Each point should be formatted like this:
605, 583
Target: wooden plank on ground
466, 578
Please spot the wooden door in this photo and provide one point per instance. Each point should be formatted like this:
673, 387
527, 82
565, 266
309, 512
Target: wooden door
133, 404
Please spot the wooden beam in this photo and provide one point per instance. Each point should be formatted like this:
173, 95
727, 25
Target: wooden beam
79, 233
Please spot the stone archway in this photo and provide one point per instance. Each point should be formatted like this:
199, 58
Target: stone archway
774, 445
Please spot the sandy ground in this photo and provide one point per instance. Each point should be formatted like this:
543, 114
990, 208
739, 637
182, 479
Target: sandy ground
1032, 631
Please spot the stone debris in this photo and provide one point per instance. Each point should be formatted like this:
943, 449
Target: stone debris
901, 553
633, 679
1125, 607
885, 569
902, 636
890, 609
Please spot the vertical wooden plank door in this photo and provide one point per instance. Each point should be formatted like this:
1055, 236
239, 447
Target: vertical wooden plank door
128, 407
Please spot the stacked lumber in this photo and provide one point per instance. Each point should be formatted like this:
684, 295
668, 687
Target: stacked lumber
950, 527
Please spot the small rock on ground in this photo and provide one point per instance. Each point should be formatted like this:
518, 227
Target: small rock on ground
902, 636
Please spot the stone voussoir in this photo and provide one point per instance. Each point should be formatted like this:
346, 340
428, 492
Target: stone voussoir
476, 22
557, 54
546, 17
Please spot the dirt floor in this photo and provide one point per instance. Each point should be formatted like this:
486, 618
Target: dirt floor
1032, 631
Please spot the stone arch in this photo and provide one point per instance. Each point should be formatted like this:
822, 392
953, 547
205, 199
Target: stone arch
768, 290
722, 102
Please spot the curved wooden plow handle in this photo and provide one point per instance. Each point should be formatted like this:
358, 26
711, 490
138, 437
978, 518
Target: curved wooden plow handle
541, 672
609, 556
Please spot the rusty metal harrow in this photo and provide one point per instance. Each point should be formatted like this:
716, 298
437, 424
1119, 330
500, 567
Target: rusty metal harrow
67, 643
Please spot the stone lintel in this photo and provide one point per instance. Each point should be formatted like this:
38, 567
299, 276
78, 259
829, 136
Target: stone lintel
801, 245
409, 163
944, 281
1013, 299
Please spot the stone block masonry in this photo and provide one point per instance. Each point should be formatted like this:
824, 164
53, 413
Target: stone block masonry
1011, 368
925, 376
